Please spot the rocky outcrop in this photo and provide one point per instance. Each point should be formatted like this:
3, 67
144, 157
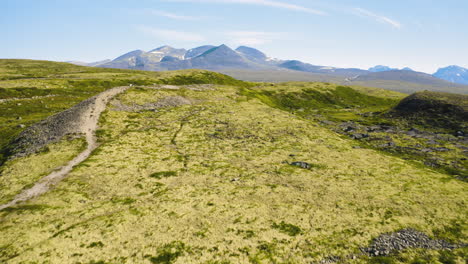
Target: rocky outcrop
403, 239
301, 164
170, 101
391, 243
441, 110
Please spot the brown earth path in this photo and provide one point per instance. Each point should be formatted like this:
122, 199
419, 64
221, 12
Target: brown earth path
88, 126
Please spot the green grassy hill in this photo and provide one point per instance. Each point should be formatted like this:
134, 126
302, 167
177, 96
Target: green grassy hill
33, 90
196, 167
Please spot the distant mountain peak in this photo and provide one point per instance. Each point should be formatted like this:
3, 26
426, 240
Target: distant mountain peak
245, 48
163, 48
454, 67
381, 68
252, 53
192, 53
222, 49
453, 73
221, 57
130, 54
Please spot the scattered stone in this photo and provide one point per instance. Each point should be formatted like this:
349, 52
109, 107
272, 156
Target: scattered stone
170, 101
406, 238
427, 150
459, 134
349, 125
374, 128
21, 126
387, 145
428, 136
19, 118
301, 164
432, 164
409, 149
443, 137
461, 147
367, 114
330, 260
413, 132
327, 122
441, 149
359, 136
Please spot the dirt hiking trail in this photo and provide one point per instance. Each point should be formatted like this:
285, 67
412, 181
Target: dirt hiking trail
88, 123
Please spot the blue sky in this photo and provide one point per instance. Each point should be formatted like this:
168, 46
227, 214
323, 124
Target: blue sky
421, 34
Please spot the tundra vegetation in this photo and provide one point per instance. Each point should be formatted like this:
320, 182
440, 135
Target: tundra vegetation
197, 167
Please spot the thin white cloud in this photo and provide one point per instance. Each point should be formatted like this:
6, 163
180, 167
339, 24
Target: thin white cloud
172, 35
172, 15
251, 37
378, 18
269, 3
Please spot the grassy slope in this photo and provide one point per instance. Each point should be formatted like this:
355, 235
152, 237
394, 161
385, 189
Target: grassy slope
409, 87
210, 183
338, 102
32, 90
323, 103
21, 173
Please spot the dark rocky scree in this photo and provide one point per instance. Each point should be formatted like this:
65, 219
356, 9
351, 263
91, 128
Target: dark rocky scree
391, 243
432, 144
386, 244
50, 130
427, 108
414, 104
170, 101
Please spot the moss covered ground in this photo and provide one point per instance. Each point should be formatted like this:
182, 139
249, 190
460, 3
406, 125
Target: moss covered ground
22, 173
32, 90
425, 130
211, 182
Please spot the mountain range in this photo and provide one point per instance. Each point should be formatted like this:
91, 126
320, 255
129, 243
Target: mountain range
382, 68
245, 62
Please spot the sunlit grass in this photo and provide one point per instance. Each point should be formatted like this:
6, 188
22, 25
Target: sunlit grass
22, 173
211, 182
